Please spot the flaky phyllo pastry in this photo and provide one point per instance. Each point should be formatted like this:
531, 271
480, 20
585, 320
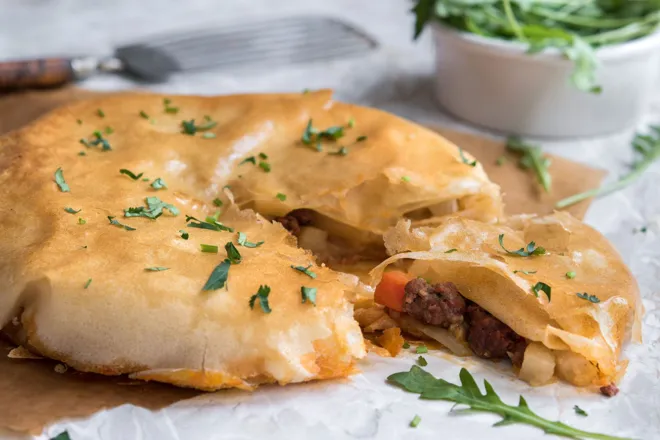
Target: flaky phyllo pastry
549, 293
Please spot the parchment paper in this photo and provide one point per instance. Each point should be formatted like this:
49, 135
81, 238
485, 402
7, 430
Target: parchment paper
33, 395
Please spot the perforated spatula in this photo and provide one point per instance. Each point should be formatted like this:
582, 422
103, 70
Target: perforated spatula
258, 44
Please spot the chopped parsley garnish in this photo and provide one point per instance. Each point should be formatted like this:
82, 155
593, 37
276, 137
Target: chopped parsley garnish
263, 156
591, 298
98, 140
405, 179
156, 269
343, 151
154, 209
184, 234
144, 114
242, 240
465, 159
71, 210
145, 179
89, 281
406, 344
501, 161
525, 272
101, 113
281, 196
109, 130
312, 134
208, 135
190, 128
543, 288
81, 221
579, 411
82, 153
116, 223
421, 349
251, 159
262, 296
415, 421
214, 226
209, 248
264, 166
308, 294
468, 393
130, 174
351, 123
529, 251
233, 255
59, 179
305, 270
168, 108
570, 275
218, 277
422, 362
217, 202
79, 121
451, 251
158, 184
361, 138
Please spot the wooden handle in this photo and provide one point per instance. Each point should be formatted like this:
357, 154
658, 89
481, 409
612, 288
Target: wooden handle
28, 74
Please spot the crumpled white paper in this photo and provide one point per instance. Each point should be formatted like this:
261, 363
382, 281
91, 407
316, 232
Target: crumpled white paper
397, 78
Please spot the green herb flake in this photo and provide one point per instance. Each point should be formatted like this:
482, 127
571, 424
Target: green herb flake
351, 123
116, 223
263, 156
422, 362
233, 255
465, 159
451, 251
500, 161
71, 210
405, 179
156, 269
109, 130
528, 251
98, 140
525, 272
251, 159
184, 234
79, 121
242, 240
208, 135
281, 197
591, 298
305, 91
154, 209
570, 275
305, 270
308, 294
100, 113
82, 153
418, 381
415, 421
64, 435
361, 138
262, 296
188, 127
343, 151
59, 179
158, 183
218, 277
168, 108
421, 349
209, 248
406, 345
81, 221
531, 157
543, 288
130, 174
211, 226
144, 114
579, 411
217, 202
89, 281
264, 166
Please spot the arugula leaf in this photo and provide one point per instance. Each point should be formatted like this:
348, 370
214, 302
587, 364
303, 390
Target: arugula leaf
648, 151
308, 294
281, 196
156, 269
209, 248
218, 277
468, 393
422, 362
591, 298
158, 184
421, 349
262, 296
305, 270
529, 251
71, 210
465, 159
232, 253
242, 240
570, 275
154, 209
212, 226
116, 223
130, 174
532, 158
525, 272
217, 202
59, 179
184, 234
89, 281
415, 421
542, 287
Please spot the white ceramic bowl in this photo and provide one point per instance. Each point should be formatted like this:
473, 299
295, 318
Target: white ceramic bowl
495, 84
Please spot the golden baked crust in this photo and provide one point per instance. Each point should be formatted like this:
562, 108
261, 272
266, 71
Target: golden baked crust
484, 273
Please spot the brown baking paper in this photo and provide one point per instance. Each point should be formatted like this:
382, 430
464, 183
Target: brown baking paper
33, 394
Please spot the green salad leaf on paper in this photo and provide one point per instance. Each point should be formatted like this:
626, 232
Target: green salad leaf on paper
575, 28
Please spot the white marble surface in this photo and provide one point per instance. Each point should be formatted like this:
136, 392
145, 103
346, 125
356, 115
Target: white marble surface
397, 78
